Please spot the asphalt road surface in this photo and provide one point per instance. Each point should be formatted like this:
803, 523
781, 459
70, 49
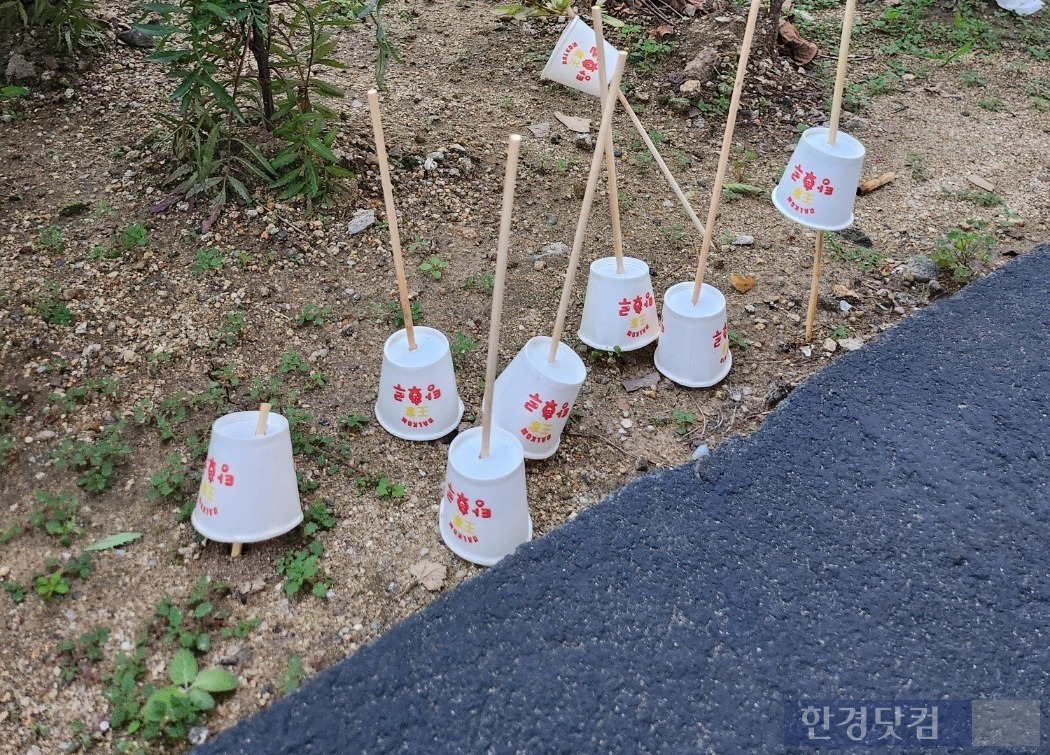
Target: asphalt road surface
884, 536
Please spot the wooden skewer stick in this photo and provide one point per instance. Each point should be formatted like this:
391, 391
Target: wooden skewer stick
260, 429
509, 181
585, 209
644, 136
840, 72
727, 142
833, 129
814, 289
610, 154
391, 217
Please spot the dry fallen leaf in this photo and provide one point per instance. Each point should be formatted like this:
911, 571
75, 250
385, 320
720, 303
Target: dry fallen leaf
571, 122
430, 574
843, 292
742, 283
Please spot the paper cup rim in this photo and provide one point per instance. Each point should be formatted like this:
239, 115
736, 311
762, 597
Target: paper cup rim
455, 546
688, 383
269, 534
437, 434
793, 217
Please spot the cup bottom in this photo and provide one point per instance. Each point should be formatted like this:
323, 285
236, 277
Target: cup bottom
456, 547
690, 382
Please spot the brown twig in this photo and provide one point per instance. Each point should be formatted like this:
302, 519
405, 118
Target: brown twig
606, 441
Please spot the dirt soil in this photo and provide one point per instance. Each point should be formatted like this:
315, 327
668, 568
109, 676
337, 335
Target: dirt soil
153, 324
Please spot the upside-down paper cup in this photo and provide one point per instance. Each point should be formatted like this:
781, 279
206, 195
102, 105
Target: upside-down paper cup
574, 61
484, 512
694, 347
819, 185
248, 491
532, 398
418, 399
619, 310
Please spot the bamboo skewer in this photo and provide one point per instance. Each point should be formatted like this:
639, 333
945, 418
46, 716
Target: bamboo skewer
682, 199
610, 154
585, 210
833, 129
502, 247
260, 429
391, 216
644, 136
727, 142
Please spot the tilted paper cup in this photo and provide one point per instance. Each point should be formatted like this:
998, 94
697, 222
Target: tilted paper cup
532, 398
574, 61
819, 186
418, 399
619, 310
484, 512
248, 491
694, 347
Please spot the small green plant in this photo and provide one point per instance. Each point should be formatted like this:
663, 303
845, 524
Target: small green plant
96, 461
915, 161
462, 345
229, 331
397, 317
673, 232
434, 267
56, 514
991, 103
483, 284
101, 252
316, 379
241, 629
206, 260
970, 79
52, 239
172, 710
55, 582
964, 253
318, 517
302, 568
351, 422
293, 675
169, 480
84, 651
134, 237
840, 332
51, 308
313, 314
737, 341
615, 356
867, 258
386, 489
292, 362
15, 591
682, 421
123, 692
187, 626
979, 197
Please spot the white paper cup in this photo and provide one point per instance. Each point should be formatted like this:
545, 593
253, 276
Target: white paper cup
248, 491
418, 399
532, 398
694, 347
484, 512
819, 185
619, 310
574, 61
